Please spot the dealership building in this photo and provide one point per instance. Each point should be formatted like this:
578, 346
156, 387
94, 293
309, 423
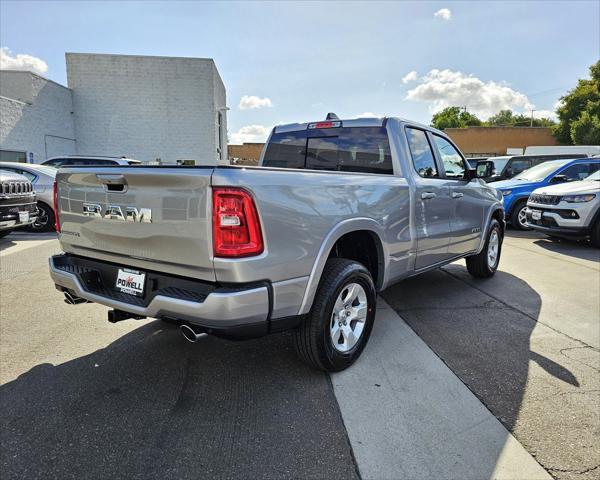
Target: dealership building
154, 109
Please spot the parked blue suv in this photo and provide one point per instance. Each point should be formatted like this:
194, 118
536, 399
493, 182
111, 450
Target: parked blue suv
516, 191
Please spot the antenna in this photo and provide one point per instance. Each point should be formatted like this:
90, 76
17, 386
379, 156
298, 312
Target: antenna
331, 116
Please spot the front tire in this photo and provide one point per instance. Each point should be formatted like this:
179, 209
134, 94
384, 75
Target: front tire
518, 219
485, 263
334, 334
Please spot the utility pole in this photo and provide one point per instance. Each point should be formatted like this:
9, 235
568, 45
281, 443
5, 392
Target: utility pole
531, 126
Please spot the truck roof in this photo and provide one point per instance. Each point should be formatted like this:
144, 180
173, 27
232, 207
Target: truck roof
351, 122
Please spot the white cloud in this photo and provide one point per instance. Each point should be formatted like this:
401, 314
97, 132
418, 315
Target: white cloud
250, 133
446, 88
248, 102
21, 62
369, 115
410, 76
544, 114
443, 13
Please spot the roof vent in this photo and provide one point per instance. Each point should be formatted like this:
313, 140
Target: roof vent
332, 116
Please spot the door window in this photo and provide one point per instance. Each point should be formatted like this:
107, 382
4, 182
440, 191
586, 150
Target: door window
421, 153
454, 165
518, 166
576, 172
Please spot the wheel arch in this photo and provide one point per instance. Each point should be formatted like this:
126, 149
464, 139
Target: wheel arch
356, 228
497, 212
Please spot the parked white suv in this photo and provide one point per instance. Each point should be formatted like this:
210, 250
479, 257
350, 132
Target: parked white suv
568, 209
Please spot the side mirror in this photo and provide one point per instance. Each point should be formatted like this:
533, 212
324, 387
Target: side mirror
559, 179
485, 168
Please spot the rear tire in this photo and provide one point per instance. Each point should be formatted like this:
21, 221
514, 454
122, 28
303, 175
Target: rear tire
485, 263
595, 236
517, 217
334, 334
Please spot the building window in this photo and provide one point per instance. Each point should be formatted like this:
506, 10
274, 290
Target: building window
13, 156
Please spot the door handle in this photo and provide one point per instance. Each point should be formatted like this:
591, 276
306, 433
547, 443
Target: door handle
113, 182
457, 195
427, 195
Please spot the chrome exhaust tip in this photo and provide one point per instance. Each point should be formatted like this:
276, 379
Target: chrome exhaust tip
190, 335
73, 299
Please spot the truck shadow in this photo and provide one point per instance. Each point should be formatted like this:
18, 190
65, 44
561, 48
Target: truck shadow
151, 405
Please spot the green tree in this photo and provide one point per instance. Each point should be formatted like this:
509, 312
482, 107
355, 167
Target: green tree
454, 117
579, 113
504, 118
586, 129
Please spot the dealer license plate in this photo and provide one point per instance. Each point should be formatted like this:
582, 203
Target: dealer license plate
23, 217
131, 282
536, 215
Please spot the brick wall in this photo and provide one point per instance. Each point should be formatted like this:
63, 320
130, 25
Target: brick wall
146, 107
247, 153
476, 141
35, 116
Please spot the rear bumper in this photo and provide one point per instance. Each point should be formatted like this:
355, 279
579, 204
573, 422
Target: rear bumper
241, 308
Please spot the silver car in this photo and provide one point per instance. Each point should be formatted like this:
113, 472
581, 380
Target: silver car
77, 160
42, 179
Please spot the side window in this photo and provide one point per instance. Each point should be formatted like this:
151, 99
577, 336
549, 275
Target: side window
421, 153
577, 172
594, 167
519, 165
454, 165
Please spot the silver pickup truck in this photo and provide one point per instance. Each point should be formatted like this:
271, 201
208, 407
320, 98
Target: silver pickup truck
336, 212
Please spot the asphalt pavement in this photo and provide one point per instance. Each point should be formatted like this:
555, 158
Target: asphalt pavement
525, 342
494, 377
83, 398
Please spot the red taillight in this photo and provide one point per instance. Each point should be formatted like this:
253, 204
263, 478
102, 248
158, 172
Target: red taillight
236, 228
56, 219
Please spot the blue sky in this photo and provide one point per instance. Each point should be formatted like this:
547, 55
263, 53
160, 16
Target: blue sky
308, 58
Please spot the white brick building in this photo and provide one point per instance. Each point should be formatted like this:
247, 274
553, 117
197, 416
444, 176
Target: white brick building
146, 108
36, 118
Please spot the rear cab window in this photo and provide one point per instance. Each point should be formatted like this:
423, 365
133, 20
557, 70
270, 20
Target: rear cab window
342, 149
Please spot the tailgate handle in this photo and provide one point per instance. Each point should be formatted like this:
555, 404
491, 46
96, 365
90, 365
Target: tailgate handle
113, 182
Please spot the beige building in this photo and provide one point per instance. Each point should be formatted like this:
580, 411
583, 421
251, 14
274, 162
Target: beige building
245, 154
494, 141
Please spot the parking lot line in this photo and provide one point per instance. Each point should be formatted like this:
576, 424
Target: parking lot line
408, 415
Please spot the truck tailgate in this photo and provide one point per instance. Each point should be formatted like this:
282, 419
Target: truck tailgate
153, 218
